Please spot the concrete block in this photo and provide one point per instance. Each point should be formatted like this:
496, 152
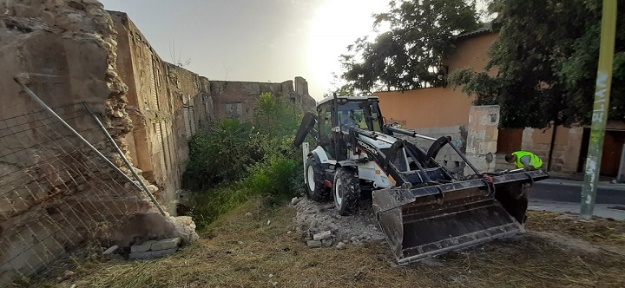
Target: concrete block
314, 243
110, 250
166, 244
143, 247
322, 235
151, 254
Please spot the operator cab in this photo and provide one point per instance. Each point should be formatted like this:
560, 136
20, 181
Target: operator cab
360, 112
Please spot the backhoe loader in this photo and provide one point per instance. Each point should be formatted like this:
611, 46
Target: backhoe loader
422, 210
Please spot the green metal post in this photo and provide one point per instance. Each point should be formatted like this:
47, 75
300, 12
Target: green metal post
600, 109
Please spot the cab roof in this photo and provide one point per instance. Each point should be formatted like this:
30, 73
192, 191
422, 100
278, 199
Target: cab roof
352, 98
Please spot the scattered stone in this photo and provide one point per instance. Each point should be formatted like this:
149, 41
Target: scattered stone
314, 243
270, 275
151, 254
289, 232
68, 273
240, 242
274, 284
165, 244
295, 200
248, 214
143, 247
327, 242
184, 227
318, 217
152, 188
111, 250
322, 235
340, 246
268, 222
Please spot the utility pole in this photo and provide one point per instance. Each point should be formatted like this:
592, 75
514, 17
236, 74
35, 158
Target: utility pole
600, 108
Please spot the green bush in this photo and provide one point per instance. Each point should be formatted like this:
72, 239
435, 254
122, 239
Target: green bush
220, 154
233, 161
275, 179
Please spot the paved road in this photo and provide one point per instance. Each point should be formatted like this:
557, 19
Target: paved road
559, 195
601, 210
570, 191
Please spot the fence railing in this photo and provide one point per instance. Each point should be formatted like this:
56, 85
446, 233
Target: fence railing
56, 193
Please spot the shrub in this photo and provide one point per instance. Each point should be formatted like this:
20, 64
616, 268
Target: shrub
233, 161
219, 155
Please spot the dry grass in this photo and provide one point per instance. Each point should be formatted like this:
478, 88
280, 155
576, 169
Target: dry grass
243, 251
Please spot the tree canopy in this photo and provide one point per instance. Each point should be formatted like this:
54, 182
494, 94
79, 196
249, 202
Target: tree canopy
421, 33
546, 60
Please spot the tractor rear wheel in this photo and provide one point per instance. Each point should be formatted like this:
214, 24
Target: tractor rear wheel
346, 191
315, 188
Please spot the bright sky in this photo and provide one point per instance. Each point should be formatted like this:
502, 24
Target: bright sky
254, 40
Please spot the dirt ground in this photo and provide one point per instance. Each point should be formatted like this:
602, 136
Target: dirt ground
259, 247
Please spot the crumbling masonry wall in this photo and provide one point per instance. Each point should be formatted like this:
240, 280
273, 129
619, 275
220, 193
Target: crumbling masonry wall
168, 104
238, 99
54, 193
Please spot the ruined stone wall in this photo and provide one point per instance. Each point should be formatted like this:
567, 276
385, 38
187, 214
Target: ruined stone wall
50, 183
55, 192
167, 103
237, 99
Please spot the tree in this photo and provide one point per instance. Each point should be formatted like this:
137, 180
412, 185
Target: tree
546, 62
409, 55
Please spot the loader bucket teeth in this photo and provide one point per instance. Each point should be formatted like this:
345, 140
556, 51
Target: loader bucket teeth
431, 220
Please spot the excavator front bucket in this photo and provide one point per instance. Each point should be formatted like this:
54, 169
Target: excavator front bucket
431, 220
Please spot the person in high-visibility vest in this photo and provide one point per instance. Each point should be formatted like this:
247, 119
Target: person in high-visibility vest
524, 159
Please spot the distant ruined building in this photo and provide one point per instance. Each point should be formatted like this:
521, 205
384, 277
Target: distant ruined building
56, 191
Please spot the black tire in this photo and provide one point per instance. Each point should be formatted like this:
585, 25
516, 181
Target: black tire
315, 189
346, 191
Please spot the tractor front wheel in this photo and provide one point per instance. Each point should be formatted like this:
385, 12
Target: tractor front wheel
315, 187
346, 191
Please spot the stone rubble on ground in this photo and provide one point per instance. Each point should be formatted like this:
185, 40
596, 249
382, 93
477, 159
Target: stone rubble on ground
154, 249
295, 200
314, 243
184, 228
322, 235
110, 250
321, 226
340, 246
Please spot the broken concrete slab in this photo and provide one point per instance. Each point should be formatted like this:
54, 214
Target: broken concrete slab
166, 244
143, 247
110, 250
314, 243
151, 254
322, 235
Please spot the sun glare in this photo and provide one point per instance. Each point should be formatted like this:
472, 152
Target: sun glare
335, 25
